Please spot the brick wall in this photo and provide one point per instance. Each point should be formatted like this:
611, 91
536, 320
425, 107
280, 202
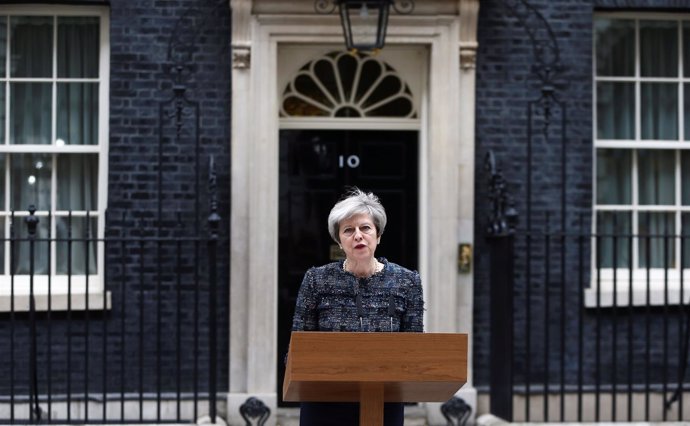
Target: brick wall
141, 83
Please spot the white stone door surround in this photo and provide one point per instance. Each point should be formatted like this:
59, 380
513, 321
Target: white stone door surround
448, 30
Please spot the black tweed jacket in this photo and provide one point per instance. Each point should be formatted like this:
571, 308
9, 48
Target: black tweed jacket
332, 299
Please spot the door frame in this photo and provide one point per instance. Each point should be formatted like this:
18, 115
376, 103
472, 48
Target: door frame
446, 195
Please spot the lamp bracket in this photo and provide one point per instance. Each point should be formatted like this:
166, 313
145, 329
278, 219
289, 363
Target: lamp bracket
326, 7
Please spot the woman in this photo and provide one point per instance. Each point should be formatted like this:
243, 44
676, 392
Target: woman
361, 293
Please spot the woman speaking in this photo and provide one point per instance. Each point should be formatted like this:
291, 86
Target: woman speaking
360, 294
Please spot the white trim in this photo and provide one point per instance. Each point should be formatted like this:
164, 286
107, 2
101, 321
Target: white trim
634, 79
51, 149
55, 213
642, 144
665, 16
637, 107
669, 208
103, 129
49, 79
350, 123
39, 9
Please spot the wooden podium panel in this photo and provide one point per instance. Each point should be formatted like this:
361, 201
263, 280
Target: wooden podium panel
404, 367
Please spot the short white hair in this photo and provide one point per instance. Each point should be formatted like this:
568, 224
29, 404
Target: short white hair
356, 202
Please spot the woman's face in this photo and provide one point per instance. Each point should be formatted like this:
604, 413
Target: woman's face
358, 237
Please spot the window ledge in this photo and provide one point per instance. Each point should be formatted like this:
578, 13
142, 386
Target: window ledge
54, 294
655, 291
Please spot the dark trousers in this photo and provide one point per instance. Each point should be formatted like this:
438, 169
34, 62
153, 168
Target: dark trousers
346, 414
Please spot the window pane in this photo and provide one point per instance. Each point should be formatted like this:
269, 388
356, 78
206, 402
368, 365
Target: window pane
615, 47
21, 254
396, 107
656, 171
613, 230
2, 113
77, 114
615, 110
30, 181
73, 256
325, 72
77, 182
685, 232
685, 177
3, 160
3, 47
655, 229
686, 48
370, 73
614, 183
2, 245
686, 108
30, 117
659, 111
306, 85
78, 43
659, 48
32, 46
347, 68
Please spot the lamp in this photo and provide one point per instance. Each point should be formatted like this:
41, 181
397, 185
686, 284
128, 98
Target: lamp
364, 21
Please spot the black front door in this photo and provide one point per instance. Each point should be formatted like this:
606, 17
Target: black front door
316, 168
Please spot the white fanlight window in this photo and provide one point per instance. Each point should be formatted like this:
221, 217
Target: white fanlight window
341, 84
53, 142
642, 149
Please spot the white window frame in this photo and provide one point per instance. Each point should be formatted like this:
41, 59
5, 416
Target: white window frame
61, 286
659, 287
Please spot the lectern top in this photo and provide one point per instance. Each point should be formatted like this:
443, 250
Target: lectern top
414, 367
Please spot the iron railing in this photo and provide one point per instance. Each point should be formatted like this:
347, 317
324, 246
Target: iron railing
590, 341
132, 341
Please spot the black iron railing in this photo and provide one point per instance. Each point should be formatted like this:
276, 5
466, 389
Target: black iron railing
128, 338
585, 326
599, 328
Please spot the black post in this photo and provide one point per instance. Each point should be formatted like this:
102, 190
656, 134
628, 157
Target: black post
500, 235
501, 342
213, 224
34, 409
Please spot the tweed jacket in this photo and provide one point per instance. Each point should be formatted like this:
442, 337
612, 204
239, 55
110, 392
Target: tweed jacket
332, 299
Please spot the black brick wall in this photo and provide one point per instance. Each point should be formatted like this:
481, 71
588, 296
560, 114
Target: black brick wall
141, 32
505, 86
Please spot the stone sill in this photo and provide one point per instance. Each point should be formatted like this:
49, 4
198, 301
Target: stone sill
658, 289
54, 294
57, 302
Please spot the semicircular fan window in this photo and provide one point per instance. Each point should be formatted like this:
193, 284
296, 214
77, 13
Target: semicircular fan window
341, 84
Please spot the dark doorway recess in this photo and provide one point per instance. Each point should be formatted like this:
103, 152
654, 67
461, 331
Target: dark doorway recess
316, 168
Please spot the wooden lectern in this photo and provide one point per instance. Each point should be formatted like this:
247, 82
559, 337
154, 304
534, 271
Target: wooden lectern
373, 368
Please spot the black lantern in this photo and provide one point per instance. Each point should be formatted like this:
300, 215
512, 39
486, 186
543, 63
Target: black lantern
364, 21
